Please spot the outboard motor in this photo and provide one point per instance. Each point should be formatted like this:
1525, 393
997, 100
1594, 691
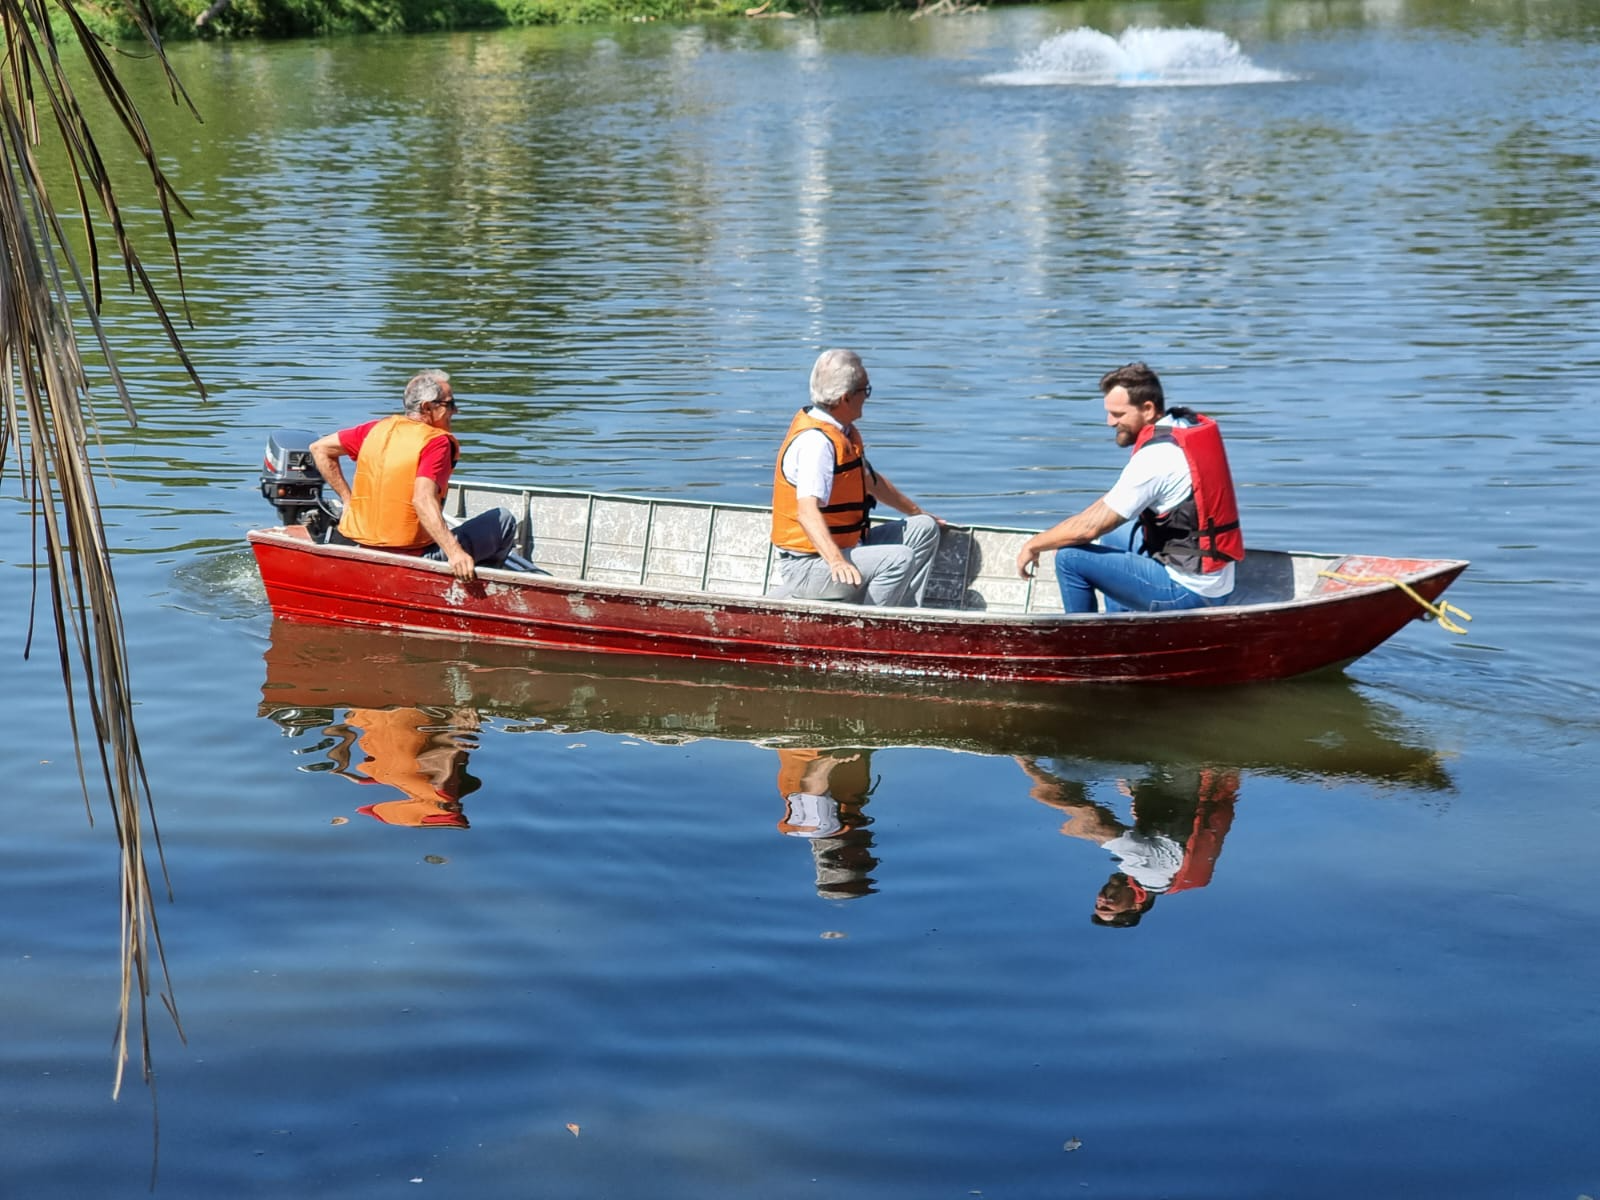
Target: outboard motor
291, 483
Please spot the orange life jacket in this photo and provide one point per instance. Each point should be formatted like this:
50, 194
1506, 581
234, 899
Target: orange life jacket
848, 782
417, 813
380, 512
406, 750
846, 509
792, 765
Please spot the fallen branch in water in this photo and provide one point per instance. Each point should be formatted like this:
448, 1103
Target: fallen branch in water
945, 8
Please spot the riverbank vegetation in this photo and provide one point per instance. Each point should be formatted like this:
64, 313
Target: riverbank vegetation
295, 18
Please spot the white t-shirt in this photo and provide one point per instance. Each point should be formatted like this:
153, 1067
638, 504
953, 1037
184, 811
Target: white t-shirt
1157, 476
808, 462
1150, 860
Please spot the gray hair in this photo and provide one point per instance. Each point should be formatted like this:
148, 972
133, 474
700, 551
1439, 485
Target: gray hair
425, 387
836, 374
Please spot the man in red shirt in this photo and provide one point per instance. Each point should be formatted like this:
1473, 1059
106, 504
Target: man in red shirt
403, 465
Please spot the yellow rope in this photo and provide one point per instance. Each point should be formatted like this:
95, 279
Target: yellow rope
1441, 611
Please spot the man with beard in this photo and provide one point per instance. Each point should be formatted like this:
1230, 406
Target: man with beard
1179, 818
1176, 498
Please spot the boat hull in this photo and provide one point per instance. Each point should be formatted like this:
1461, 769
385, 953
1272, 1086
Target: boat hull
1226, 645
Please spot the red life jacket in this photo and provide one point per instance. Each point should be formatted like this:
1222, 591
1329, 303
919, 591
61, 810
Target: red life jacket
1201, 535
1213, 818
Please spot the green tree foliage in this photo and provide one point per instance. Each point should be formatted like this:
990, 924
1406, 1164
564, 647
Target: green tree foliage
294, 18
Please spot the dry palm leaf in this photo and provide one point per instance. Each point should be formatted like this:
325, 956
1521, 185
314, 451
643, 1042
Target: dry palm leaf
45, 413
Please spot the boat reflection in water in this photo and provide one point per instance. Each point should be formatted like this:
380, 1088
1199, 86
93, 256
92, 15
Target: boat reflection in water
412, 706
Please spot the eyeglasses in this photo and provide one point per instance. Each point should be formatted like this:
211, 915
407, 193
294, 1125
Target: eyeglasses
447, 405
866, 392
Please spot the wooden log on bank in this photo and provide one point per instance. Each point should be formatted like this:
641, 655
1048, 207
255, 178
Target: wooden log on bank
204, 18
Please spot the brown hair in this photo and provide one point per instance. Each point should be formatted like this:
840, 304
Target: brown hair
1144, 387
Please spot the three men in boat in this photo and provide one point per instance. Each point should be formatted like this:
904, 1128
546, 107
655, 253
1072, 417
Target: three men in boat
823, 491
403, 465
1176, 499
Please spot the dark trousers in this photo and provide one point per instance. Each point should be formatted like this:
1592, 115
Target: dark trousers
488, 537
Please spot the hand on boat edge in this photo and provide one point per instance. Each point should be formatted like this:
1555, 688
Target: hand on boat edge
461, 564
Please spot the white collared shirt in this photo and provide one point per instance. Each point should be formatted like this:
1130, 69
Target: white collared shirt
808, 461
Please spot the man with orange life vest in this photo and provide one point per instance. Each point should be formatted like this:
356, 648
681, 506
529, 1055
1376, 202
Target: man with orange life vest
823, 489
403, 465
1180, 551
824, 793
422, 754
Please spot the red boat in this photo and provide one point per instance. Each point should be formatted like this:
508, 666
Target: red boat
685, 579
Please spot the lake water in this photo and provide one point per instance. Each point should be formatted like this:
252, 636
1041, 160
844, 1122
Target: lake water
464, 922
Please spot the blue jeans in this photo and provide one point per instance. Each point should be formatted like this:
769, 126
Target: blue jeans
1129, 580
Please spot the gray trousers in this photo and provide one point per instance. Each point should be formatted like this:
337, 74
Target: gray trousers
894, 559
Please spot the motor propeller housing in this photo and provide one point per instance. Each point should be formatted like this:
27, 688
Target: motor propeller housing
291, 483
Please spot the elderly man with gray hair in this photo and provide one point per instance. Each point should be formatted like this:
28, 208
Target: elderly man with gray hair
823, 489
403, 465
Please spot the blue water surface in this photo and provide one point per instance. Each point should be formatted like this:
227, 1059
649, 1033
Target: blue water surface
469, 922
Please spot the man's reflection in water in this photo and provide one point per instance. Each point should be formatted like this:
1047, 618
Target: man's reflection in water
823, 793
421, 753
1180, 817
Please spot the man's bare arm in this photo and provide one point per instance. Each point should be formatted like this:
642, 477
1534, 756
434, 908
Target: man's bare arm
814, 782
880, 488
840, 568
1087, 525
326, 453
1085, 819
425, 499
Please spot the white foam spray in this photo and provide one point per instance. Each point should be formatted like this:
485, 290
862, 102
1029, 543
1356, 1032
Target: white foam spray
1139, 58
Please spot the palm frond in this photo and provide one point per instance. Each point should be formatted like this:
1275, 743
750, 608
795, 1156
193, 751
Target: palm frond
45, 413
